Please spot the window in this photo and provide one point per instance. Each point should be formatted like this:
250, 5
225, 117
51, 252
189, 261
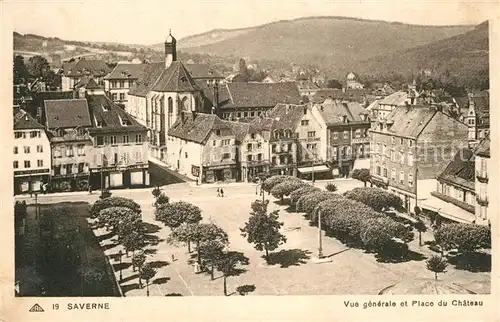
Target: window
249, 157
311, 134
34, 134
249, 147
410, 143
226, 142
238, 115
393, 140
393, 155
401, 141
259, 157
358, 134
471, 121
289, 146
122, 96
335, 135
214, 142
385, 172
273, 148
16, 164
122, 84
39, 163
259, 145
27, 164
410, 179
69, 168
80, 149
393, 174
57, 170
80, 167
401, 157
185, 155
138, 156
273, 160
16, 150
385, 150
26, 149
226, 156
138, 138
18, 135
69, 151
125, 139
100, 140
39, 148
410, 159
217, 132
401, 177
346, 134
114, 97
112, 139
304, 122
378, 170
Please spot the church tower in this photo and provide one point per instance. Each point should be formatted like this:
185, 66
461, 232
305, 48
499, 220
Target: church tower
170, 50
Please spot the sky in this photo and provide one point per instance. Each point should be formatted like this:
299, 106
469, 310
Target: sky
148, 22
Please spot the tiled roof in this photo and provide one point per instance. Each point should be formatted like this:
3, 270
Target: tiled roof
86, 66
67, 113
111, 116
126, 71
196, 126
460, 170
482, 105
397, 99
261, 123
306, 85
24, 121
483, 149
286, 116
203, 71
87, 82
175, 78
356, 95
239, 129
410, 121
333, 111
147, 79
260, 94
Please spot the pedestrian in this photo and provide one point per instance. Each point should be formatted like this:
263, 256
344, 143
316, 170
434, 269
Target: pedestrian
221, 193
218, 192
173, 258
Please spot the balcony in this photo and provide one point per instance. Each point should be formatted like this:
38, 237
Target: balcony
483, 201
482, 176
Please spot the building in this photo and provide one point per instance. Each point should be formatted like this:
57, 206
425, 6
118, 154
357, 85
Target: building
344, 130
400, 98
362, 96
68, 122
120, 147
32, 162
238, 100
203, 73
482, 166
118, 83
478, 116
203, 147
254, 149
307, 88
73, 72
413, 143
352, 83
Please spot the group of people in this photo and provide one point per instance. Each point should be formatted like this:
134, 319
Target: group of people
220, 192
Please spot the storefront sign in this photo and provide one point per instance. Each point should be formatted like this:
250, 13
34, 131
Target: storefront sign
361, 140
195, 170
31, 172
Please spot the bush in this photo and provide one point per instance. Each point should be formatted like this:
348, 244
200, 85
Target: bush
376, 198
102, 204
295, 195
176, 213
105, 194
286, 187
156, 192
116, 216
464, 237
332, 187
355, 174
162, 199
269, 183
308, 202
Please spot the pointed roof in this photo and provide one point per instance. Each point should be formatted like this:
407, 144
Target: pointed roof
483, 149
147, 79
24, 121
196, 126
84, 66
67, 113
87, 82
126, 71
110, 115
410, 122
175, 78
287, 116
202, 71
333, 111
461, 170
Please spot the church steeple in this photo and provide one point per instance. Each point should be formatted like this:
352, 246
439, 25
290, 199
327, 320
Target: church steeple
170, 49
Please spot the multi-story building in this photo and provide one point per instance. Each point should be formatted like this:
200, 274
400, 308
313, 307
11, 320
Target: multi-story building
73, 72
307, 88
32, 161
344, 129
254, 150
203, 147
482, 164
397, 99
120, 147
68, 122
204, 73
118, 83
413, 143
478, 117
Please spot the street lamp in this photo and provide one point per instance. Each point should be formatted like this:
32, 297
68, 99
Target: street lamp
120, 254
320, 247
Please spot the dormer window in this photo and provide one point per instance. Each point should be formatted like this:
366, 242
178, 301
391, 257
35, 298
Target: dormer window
99, 123
344, 119
104, 108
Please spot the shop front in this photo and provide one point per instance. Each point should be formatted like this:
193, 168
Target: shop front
251, 171
316, 172
117, 178
225, 173
70, 182
288, 170
30, 181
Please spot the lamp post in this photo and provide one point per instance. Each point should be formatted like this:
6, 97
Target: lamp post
36, 205
120, 254
320, 246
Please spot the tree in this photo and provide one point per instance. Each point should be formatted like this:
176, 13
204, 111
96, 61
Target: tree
263, 230
176, 213
245, 289
308, 202
333, 83
162, 199
286, 187
355, 173
181, 234
227, 265
147, 272
133, 241
269, 183
20, 71
138, 260
376, 233
421, 228
211, 251
117, 217
202, 233
465, 238
436, 264
364, 176
38, 67
297, 194
376, 198
102, 204
156, 192
331, 187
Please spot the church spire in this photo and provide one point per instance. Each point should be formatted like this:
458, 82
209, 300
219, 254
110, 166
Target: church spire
170, 49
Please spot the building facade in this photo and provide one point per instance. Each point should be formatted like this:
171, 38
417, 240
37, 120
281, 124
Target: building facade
32, 162
413, 143
482, 164
73, 72
478, 117
118, 83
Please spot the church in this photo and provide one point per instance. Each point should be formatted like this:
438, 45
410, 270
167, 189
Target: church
162, 91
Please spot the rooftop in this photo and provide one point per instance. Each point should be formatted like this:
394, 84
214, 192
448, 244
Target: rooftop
24, 121
410, 121
460, 170
286, 116
483, 149
333, 112
67, 113
126, 71
109, 115
202, 71
196, 127
398, 99
85, 67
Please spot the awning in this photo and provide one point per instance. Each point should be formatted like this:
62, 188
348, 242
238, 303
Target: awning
317, 168
447, 210
361, 164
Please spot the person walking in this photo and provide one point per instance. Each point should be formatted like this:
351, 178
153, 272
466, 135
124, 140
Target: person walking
173, 258
218, 192
221, 193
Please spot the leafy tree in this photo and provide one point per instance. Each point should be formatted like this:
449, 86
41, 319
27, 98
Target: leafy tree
181, 234
138, 260
114, 217
156, 192
203, 233
331, 187
364, 176
465, 238
286, 187
147, 272
421, 228
38, 66
297, 194
263, 230
269, 183
133, 241
176, 213
376, 198
245, 289
227, 264
211, 251
355, 173
376, 233
308, 202
436, 264
162, 199
20, 71
102, 204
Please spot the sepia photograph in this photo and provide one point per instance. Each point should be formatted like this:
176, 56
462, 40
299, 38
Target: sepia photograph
233, 149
